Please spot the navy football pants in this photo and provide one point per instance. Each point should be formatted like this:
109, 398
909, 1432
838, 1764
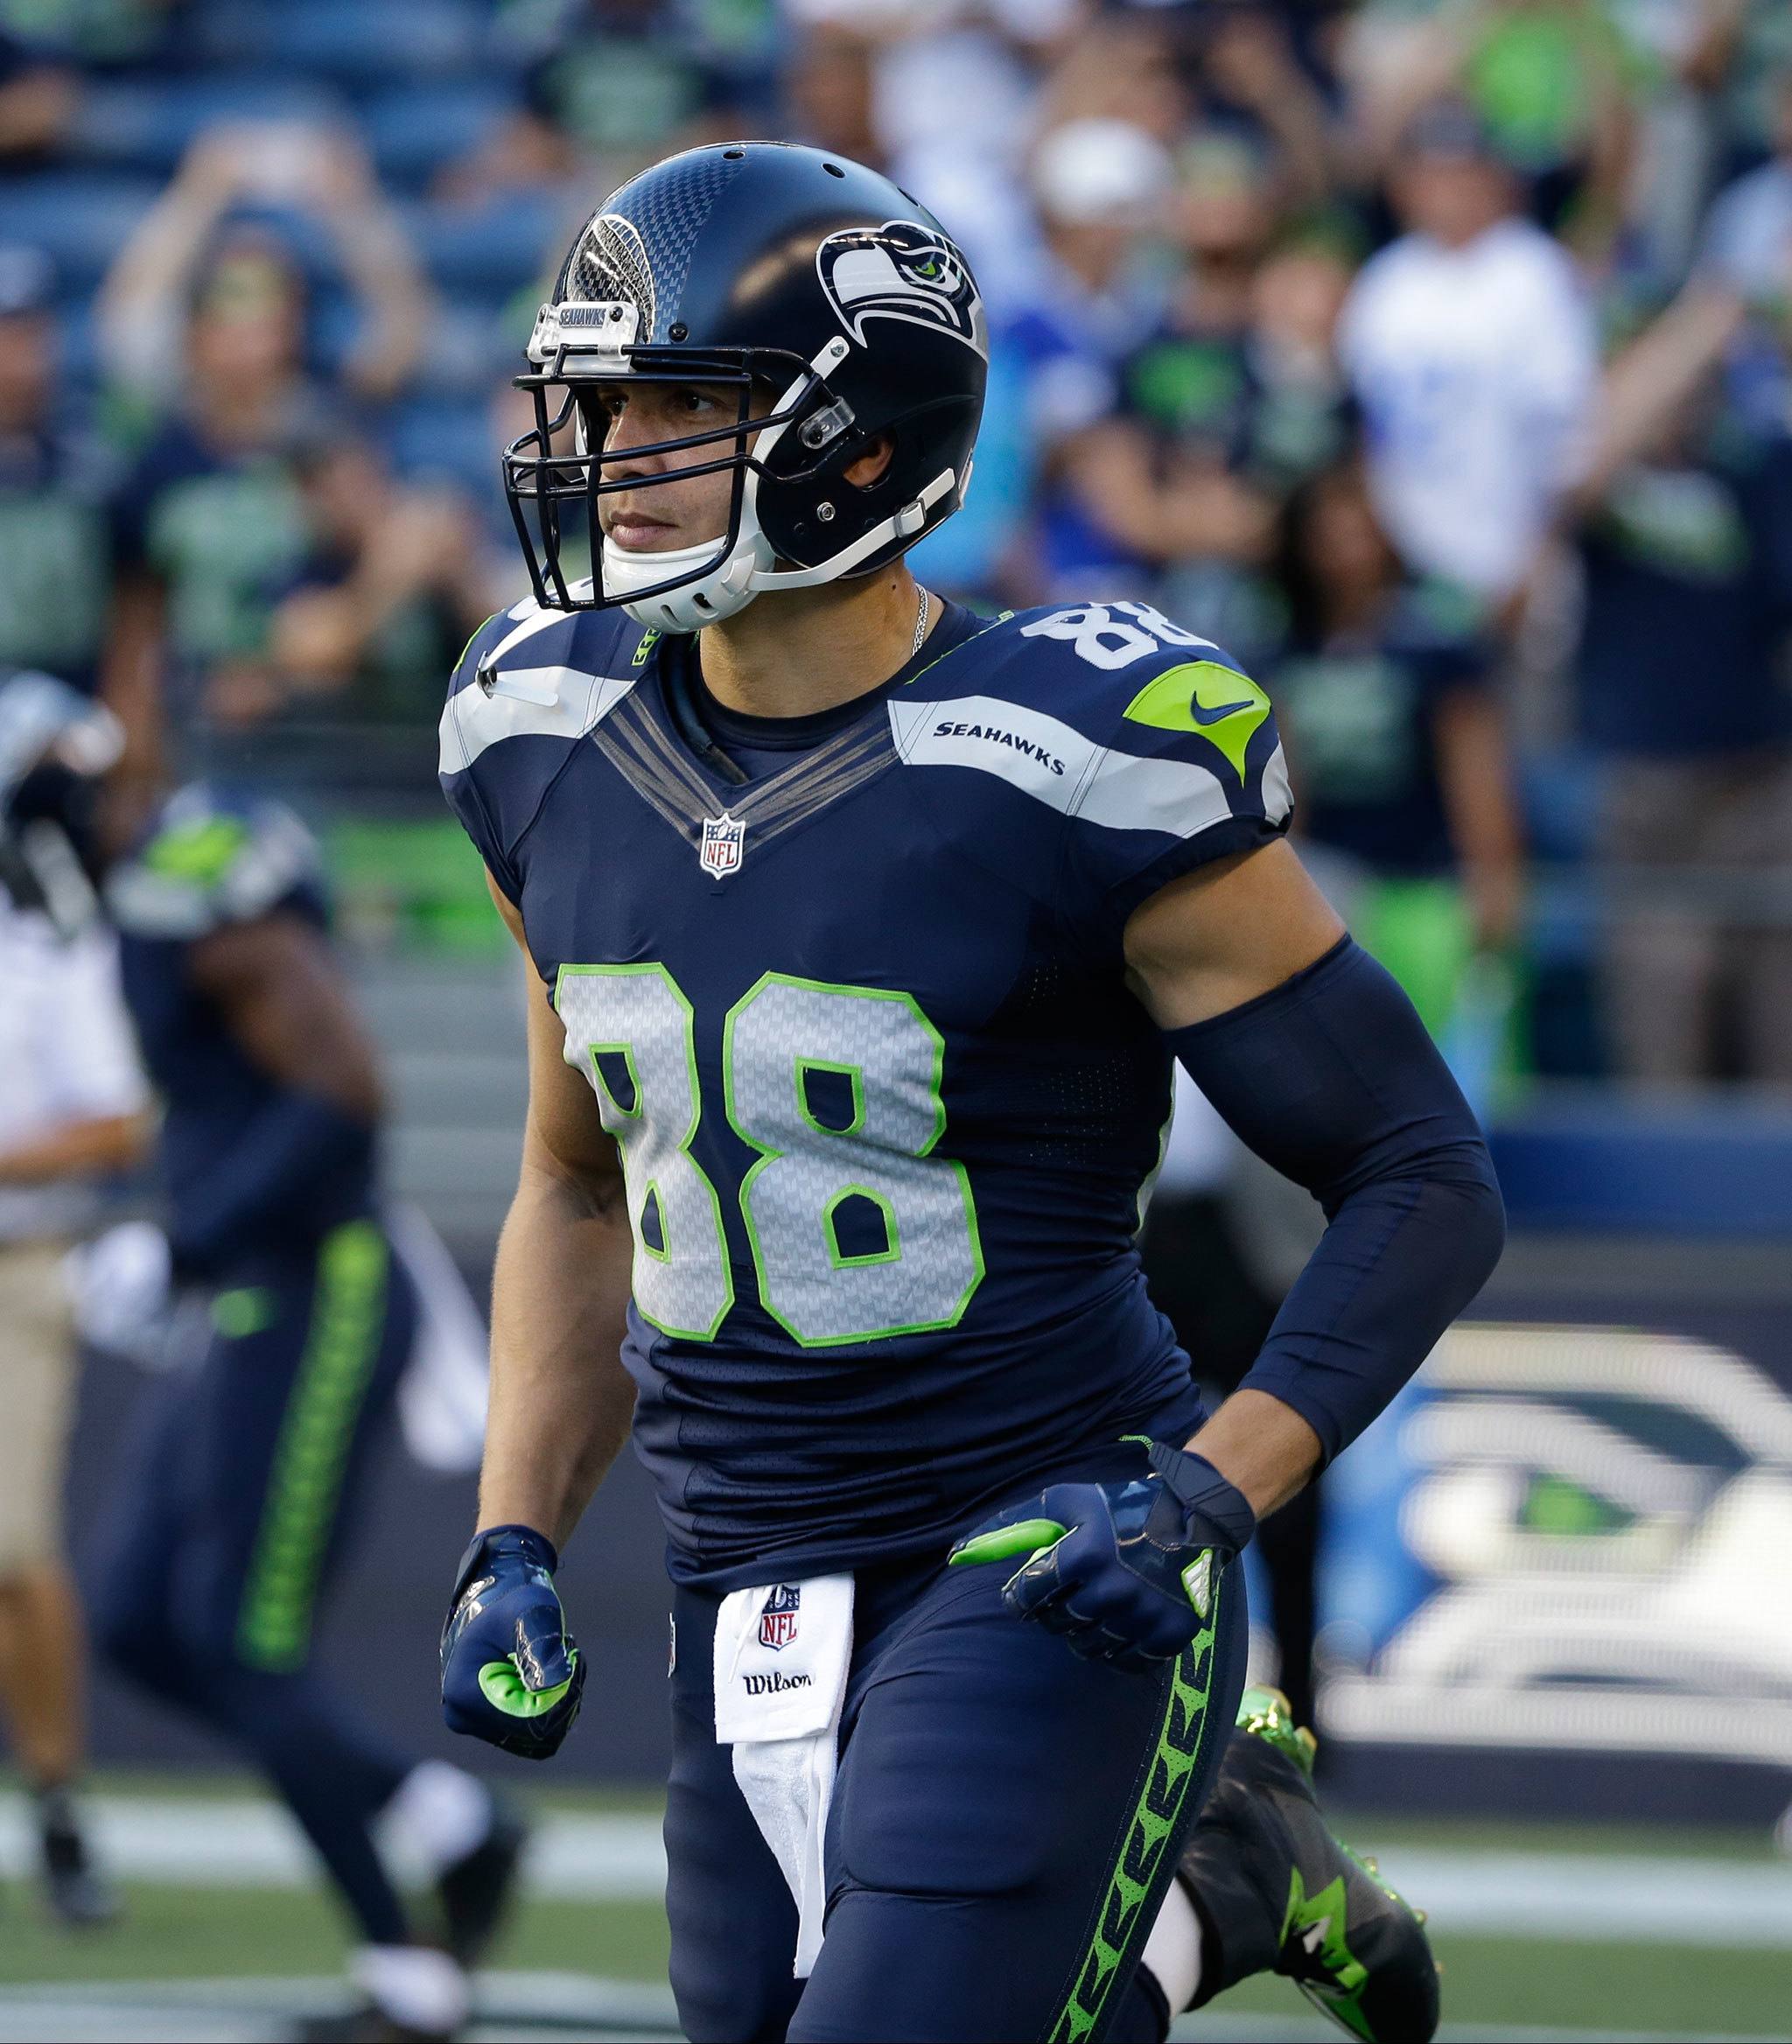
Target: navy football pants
230, 1527
1005, 1824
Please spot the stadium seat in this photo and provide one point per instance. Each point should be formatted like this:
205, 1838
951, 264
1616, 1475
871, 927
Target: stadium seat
147, 124
492, 250
445, 440
471, 343
413, 130
80, 219
367, 47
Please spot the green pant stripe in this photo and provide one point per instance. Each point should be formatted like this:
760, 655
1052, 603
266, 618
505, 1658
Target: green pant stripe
1141, 1877
349, 1311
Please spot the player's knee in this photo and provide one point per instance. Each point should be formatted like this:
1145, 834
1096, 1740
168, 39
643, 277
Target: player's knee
722, 2003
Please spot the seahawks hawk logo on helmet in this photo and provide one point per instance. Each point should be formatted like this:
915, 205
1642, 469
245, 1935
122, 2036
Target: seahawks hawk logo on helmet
900, 270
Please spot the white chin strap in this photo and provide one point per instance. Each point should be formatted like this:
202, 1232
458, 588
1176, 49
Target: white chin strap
706, 599
746, 571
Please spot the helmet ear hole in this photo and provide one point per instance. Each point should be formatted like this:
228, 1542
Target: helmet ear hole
873, 463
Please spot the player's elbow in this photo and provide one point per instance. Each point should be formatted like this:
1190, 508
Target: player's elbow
1484, 1217
578, 1181
1463, 1187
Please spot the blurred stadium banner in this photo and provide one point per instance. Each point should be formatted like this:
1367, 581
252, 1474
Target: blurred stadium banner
1556, 1576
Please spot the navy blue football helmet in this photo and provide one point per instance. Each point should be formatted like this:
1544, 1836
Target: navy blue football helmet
834, 307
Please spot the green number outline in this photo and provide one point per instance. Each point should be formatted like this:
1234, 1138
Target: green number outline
854, 1075
689, 1038
830, 1235
769, 1156
651, 1194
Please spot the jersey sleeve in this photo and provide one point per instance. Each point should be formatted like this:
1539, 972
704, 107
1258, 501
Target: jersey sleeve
210, 861
459, 750
1185, 764
529, 686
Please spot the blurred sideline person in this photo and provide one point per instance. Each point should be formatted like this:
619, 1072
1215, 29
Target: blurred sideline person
55, 474
1470, 346
208, 320
71, 1104
1396, 747
1683, 530
257, 1447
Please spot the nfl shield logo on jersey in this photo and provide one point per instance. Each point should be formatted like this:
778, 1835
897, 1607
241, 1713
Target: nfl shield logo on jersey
778, 1616
719, 853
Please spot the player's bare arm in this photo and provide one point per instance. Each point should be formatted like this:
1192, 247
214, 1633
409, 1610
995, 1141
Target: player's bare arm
284, 1003
101, 1144
561, 1400
284, 1000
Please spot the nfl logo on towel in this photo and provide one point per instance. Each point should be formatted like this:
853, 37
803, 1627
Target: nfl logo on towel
719, 853
777, 1617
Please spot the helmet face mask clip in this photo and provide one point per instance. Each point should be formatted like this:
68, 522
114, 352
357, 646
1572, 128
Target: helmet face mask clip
835, 312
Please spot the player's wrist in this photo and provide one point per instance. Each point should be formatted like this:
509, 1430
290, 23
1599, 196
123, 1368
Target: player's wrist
517, 1535
1205, 1493
504, 1547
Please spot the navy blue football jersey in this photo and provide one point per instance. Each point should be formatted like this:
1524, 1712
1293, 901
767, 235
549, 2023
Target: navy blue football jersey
213, 858
860, 1029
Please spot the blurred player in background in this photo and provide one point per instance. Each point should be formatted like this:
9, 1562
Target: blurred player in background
261, 1441
71, 1104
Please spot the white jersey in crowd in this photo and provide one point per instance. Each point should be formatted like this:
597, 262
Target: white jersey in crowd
67, 1055
1477, 371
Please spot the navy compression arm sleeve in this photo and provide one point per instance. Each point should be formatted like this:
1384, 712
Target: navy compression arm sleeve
1331, 1079
287, 1170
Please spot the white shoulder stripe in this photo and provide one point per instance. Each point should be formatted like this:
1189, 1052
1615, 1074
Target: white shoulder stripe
1279, 794
1057, 765
541, 701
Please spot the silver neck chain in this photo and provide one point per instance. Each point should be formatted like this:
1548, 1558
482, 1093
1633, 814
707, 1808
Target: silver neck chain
921, 625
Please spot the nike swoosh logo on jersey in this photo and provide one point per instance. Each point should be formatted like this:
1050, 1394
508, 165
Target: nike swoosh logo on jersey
1203, 715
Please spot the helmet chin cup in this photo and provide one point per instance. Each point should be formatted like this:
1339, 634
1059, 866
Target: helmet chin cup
710, 599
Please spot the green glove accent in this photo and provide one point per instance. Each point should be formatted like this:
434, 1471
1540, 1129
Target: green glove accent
1026, 1538
502, 1684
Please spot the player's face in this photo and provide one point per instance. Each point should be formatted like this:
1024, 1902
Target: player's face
664, 514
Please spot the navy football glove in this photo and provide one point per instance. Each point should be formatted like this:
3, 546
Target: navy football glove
510, 1674
1126, 1571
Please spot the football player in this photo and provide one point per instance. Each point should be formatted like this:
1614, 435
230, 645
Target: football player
263, 1434
863, 932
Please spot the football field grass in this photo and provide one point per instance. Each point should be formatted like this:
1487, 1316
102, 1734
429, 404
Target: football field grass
252, 1938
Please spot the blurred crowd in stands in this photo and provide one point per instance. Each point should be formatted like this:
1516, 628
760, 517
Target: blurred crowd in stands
1435, 356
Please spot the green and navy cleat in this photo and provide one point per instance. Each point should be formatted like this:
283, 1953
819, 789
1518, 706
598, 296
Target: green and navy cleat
1276, 1892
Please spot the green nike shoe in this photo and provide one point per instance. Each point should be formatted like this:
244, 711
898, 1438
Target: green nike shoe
1276, 1891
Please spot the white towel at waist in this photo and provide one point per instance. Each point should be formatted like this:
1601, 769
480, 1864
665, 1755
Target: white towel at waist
782, 1653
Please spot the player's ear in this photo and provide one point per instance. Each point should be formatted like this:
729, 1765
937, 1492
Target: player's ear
870, 465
